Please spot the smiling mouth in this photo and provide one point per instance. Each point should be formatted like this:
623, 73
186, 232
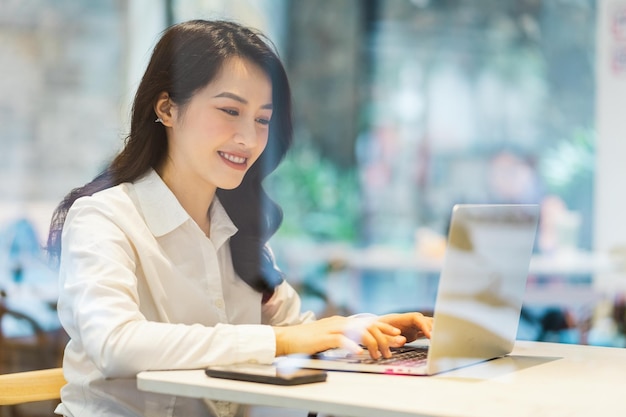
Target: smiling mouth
240, 160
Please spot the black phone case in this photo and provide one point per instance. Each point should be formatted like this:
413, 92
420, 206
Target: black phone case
301, 376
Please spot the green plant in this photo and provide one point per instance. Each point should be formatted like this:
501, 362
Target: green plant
319, 200
570, 164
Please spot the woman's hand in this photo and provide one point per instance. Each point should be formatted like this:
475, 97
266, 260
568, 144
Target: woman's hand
411, 325
340, 332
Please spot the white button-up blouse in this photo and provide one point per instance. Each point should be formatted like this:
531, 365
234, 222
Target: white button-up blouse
143, 288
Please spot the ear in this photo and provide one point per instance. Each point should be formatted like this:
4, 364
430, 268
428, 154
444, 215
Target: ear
163, 109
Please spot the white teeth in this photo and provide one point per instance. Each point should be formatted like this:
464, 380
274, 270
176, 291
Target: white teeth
233, 158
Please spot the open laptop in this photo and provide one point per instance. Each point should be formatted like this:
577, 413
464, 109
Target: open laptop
479, 297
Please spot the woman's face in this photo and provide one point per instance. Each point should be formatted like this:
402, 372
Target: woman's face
223, 129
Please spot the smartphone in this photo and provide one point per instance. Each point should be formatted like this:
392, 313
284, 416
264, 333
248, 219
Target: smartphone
267, 374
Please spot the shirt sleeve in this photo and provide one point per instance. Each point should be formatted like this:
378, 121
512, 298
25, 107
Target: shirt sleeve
284, 308
99, 308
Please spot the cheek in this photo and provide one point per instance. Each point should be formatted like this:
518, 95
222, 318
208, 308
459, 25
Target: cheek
262, 143
262, 140
210, 134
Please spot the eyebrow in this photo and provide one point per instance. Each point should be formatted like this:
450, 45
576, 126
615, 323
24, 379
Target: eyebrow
240, 99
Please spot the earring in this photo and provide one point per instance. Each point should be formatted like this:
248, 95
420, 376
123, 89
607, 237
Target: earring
159, 120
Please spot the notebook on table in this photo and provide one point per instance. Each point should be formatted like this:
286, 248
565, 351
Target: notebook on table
479, 298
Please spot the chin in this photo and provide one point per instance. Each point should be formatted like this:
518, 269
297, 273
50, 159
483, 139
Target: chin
230, 185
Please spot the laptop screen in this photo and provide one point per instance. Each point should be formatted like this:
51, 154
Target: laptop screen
482, 283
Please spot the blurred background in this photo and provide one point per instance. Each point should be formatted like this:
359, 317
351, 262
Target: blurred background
402, 108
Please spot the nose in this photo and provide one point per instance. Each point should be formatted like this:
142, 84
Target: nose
247, 134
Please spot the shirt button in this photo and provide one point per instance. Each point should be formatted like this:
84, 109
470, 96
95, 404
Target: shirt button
219, 304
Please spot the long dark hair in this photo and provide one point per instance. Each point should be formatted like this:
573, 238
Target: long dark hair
187, 58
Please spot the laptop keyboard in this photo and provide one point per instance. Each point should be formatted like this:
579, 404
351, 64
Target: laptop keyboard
409, 356
405, 356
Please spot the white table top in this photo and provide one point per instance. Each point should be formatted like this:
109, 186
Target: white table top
537, 379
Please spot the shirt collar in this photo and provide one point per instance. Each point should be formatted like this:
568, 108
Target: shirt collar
163, 213
222, 227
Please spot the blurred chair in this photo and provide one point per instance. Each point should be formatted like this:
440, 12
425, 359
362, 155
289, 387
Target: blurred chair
39, 349
30, 373
31, 386
31, 336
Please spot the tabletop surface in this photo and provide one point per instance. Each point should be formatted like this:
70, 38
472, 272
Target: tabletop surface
537, 379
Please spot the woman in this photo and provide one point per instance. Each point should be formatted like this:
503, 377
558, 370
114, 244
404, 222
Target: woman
164, 262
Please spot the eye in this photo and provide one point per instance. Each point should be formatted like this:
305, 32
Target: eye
263, 122
230, 112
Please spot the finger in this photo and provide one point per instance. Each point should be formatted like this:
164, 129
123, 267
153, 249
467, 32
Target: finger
379, 344
382, 341
388, 329
354, 328
369, 341
397, 341
348, 344
424, 324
